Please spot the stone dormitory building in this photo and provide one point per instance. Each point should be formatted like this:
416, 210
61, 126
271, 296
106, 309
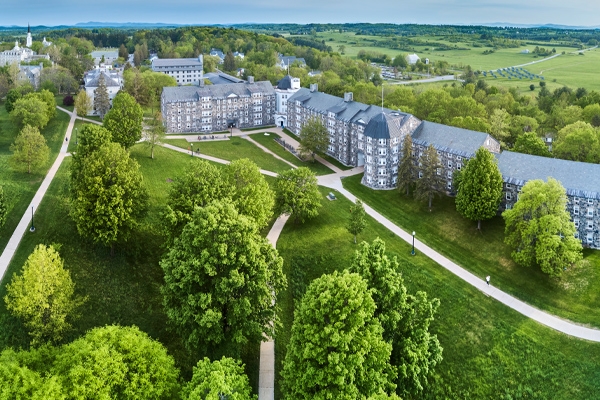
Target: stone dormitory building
371, 136
368, 135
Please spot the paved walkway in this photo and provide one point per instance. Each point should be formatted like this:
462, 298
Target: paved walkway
266, 378
23, 226
91, 121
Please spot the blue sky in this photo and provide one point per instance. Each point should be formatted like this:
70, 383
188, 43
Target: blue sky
201, 12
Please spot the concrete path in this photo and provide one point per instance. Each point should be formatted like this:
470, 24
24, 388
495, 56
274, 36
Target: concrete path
427, 80
266, 379
25, 223
263, 148
211, 158
551, 321
91, 121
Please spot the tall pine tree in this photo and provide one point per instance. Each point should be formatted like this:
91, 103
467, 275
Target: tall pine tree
406, 170
101, 99
430, 182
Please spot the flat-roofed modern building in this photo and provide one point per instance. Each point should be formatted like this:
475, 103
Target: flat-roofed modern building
186, 71
216, 108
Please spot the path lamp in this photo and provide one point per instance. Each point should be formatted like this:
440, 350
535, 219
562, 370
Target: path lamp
413, 247
192, 148
32, 229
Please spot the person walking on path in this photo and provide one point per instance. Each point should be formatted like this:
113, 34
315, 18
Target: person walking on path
487, 279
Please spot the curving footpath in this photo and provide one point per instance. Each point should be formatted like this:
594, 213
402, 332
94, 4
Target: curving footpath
23, 226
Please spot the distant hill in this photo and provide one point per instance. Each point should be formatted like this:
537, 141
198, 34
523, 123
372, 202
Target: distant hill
93, 24
549, 26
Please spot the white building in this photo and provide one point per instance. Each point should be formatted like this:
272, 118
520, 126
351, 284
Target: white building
285, 88
186, 71
112, 79
110, 56
412, 59
29, 41
31, 73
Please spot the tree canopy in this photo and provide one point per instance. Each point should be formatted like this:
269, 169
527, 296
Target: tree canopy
357, 221
336, 349
83, 104
108, 197
314, 137
430, 182
30, 151
221, 279
480, 187
124, 120
297, 193
30, 111
220, 379
43, 295
539, 228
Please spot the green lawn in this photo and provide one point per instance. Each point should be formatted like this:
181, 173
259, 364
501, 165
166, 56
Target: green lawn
575, 297
59, 101
122, 289
490, 351
234, 149
19, 188
270, 143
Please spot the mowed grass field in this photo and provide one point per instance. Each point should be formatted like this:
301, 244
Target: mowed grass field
569, 69
490, 351
19, 188
122, 289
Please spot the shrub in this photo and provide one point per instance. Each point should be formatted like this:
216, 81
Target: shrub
68, 100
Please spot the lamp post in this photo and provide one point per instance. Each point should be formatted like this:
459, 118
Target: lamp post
32, 229
413, 247
76, 136
192, 148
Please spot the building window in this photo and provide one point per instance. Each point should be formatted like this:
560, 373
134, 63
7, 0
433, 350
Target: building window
449, 185
590, 212
576, 210
576, 222
508, 206
508, 196
590, 225
449, 164
590, 237
420, 174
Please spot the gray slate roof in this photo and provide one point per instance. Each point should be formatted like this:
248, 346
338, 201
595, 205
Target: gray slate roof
285, 83
449, 138
220, 78
580, 179
176, 62
385, 126
108, 80
289, 60
350, 111
193, 93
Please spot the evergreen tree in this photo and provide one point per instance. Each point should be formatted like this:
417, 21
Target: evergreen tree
101, 99
3, 208
430, 183
229, 62
480, 187
406, 170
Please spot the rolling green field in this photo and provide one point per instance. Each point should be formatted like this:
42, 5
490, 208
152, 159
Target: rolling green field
490, 351
568, 69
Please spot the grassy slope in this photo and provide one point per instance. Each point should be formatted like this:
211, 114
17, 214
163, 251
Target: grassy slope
19, 188
270, 143
234, 149
489, 350
575, 297
123, 289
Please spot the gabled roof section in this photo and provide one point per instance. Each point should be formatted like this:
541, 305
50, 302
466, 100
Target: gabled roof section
108, 80
385, 125
580, 179
176, 62
449, 138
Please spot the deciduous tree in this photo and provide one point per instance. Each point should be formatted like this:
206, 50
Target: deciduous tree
220, 379
43, 295
116, 362
358, 221
480, 187
405, 318
297, 193
109, 198
336, 348
30, 151
83, 104
531, 143
221, 280
250, 191
124, 120
30, 111
430, 182
539, 228
578, 142
17, 381
314, 137
155, 133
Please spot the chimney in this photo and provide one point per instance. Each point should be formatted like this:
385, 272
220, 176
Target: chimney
250, 79
348, 97
314, 87
201, 82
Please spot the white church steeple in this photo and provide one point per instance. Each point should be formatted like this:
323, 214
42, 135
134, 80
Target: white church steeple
29, 41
